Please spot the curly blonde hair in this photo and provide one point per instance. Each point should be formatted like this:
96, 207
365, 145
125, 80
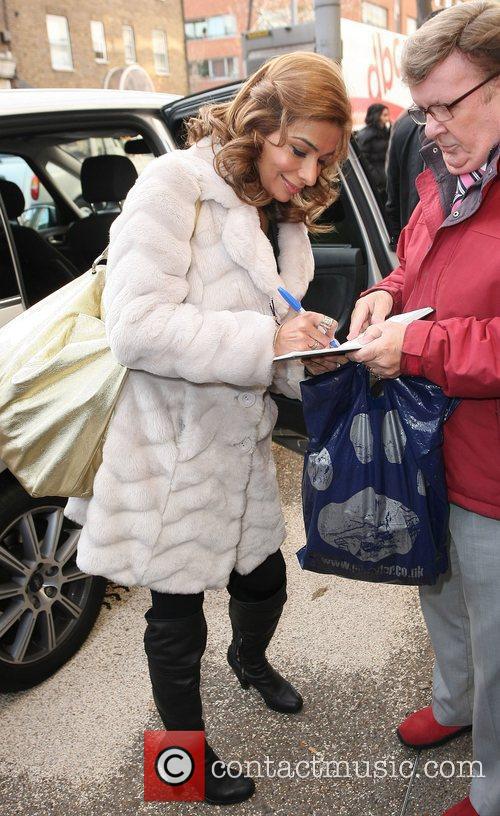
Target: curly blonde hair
288, 88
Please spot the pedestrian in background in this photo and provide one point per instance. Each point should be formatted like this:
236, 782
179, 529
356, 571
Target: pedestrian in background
449, 259
186, 498
404, 164
373, 141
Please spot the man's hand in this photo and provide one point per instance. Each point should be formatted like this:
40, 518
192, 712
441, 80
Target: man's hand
381, 352
370, 309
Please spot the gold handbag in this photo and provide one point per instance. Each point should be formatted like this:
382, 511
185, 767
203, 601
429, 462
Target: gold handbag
59, 384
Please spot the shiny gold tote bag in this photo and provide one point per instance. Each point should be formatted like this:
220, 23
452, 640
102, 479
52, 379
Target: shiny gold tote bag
59, 383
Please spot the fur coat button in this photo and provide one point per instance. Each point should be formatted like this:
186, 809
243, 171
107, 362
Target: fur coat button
247, 399
246, 444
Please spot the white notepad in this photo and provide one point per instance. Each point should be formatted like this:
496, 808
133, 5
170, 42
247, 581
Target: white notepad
354, 345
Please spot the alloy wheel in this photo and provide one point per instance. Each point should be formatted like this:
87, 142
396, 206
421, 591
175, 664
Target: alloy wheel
42, 591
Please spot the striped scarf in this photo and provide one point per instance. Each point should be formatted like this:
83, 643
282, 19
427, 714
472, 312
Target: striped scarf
466, 181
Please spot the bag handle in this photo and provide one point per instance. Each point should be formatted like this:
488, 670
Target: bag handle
101, 260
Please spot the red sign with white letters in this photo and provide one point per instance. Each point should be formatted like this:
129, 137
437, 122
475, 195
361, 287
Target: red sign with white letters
174, 766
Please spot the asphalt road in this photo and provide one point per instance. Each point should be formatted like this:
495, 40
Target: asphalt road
358, 653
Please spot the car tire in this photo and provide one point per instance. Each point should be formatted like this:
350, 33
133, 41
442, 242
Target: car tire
47, 606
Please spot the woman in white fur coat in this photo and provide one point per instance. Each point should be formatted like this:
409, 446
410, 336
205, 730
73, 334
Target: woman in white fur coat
186, 498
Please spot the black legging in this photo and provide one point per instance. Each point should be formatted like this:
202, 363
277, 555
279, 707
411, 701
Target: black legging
260, 584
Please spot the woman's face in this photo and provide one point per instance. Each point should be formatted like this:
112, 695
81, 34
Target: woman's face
310, 145
384, 118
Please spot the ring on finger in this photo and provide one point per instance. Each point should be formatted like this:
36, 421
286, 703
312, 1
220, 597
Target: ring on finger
325, 324
315, 344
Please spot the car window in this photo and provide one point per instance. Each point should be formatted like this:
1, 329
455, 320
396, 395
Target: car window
39, 207
50, 251
68, 180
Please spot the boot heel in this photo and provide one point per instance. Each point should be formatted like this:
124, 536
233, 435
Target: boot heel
243, 683
233, 662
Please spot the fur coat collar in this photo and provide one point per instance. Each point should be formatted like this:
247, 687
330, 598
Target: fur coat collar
253, 250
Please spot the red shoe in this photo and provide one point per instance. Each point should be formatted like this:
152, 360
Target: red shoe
463, 808
422, 730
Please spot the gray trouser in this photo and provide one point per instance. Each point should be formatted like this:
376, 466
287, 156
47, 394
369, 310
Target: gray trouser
462, 613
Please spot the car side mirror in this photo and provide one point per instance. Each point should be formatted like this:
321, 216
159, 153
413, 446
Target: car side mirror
38, 217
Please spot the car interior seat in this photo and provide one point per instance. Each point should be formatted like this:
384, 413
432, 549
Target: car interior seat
44, 268
104, 179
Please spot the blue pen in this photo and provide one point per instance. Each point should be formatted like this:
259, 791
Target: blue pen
297, 307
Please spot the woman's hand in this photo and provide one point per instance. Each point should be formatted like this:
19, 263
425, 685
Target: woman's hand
309, 330
318, 365
370, 309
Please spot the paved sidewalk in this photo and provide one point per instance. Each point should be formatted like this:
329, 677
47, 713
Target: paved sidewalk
358, 653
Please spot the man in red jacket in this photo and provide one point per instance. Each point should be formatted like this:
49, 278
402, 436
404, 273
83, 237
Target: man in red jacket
449, 257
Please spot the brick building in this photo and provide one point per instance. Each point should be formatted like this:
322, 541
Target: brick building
214, 27
93, 44
213, 40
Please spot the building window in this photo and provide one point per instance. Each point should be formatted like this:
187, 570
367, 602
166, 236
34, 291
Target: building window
199, 68
195, 29
222, 25
374, 15
411, 25
59, 42
222, 68
98, 41
129, 44
160, 52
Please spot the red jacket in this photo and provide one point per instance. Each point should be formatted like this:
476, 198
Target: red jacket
453, 264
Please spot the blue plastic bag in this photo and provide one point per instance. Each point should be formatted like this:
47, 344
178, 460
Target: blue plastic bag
373, 489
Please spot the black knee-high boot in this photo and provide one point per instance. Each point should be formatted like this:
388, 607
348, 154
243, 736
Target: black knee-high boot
174, 648
253, 626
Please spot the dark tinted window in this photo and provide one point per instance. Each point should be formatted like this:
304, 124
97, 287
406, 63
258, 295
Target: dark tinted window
8, 282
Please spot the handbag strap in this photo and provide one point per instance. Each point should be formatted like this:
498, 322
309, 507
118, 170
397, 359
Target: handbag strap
101, 260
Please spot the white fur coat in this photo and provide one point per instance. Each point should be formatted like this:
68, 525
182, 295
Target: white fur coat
187, 488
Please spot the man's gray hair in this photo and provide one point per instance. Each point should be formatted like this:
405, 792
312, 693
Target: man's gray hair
472, 28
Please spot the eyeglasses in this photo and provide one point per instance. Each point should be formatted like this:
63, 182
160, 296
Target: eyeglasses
442, 113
